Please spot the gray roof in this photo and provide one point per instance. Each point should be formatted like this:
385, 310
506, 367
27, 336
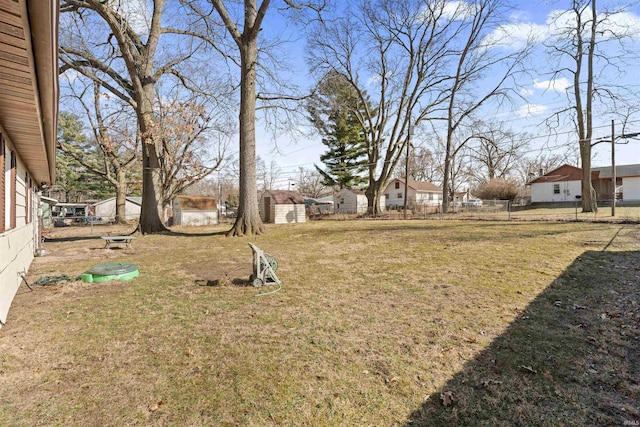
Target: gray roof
621, 171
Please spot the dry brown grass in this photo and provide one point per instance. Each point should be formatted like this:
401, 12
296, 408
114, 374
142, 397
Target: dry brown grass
376, 320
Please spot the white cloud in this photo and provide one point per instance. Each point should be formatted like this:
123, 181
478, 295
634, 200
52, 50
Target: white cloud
530, 110
559, 85
520, 30
458, 10
516, 35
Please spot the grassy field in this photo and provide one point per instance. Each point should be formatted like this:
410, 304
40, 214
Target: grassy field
378, 323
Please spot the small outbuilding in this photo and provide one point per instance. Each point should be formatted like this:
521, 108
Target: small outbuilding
282, 207
106, 209
46, 205
195, 210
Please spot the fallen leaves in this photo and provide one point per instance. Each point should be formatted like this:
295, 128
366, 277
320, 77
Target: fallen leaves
447, 398
527, 369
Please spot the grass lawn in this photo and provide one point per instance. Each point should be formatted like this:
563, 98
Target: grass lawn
378, 323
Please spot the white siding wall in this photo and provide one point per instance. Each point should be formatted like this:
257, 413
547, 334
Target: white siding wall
195, 218
288, 214
16, 253
107, 210
544, 191
18, 245
351, 202
631, 188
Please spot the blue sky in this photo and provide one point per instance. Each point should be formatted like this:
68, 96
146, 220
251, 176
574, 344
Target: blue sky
542, 96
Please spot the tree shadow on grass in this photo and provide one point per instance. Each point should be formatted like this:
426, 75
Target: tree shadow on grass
572, 357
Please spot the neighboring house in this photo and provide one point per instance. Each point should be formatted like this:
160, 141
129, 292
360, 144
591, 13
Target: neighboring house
195, 210
282, 207
627, 176
562, 184
46, 215
106, 209
28, 127
461, 197
565, 183
419, 194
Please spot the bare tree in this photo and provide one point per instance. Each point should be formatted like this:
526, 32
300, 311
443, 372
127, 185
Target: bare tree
422, 58
244, 33
267, 175
125, 52
495, 152
586, 42
116, 144
310, 183
479, 56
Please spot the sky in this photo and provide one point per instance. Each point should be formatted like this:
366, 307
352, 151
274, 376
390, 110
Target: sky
542, 96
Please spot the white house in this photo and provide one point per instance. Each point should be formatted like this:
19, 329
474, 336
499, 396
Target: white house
627, 176
28, 122
562, 184
282, 207
419, 193
106, 209
195, 210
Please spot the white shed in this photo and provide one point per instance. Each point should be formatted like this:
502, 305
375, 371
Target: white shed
106, 209
195, 210
282, 207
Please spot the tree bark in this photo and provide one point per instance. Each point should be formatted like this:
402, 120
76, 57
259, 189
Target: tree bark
121, 197
248, 221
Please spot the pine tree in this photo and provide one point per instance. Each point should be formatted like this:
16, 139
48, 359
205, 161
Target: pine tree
335, 111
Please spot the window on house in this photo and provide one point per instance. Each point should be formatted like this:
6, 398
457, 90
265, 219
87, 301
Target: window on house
556, 188
399, 195
397, 185
430, 196
386, 195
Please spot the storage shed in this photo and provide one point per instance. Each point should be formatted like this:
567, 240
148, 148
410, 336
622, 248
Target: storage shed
195, 210
282, 207
106, 209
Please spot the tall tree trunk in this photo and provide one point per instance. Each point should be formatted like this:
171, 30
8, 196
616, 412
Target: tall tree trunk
373, 198
121, 197
151, 212
248, 221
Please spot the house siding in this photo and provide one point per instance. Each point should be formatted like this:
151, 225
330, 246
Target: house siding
288, 214
631, 188
348, 202
106, 209
18, 240
544, 191
196, 218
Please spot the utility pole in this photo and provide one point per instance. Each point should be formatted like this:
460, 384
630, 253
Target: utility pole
406, 172
613, 168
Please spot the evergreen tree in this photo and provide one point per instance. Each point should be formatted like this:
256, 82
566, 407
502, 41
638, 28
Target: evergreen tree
336, 112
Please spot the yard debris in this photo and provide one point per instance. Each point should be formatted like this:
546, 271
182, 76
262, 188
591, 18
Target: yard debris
447, 398
489, 382
528, 369
154, 407
558, 303
579, 307
548, 375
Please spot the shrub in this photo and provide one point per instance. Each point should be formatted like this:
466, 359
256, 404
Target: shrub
498, 188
